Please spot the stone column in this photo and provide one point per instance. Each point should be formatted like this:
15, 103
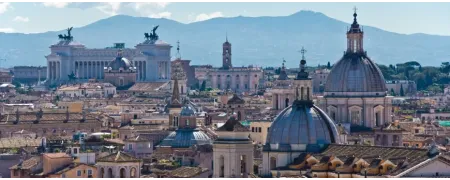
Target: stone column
48, 70
85, 69
144, 64
58, 70
54, 70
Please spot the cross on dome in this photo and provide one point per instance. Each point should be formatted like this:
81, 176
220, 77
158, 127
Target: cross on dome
303, 51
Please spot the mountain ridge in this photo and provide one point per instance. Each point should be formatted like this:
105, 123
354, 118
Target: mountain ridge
261, 40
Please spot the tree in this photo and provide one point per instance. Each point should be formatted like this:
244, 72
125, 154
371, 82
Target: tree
402, 92
392, 92
277, 71
203, 87
328, 65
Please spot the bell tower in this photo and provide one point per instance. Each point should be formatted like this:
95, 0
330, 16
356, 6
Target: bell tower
226, 54
302, 83
355, 36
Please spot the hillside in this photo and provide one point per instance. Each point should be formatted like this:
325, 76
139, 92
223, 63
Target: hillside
262, 41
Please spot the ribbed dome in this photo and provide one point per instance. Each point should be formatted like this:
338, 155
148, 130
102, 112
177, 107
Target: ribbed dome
187, 110
301, 127
120, 62
355, 72
185, 138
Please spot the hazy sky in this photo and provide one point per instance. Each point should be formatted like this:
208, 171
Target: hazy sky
408, 18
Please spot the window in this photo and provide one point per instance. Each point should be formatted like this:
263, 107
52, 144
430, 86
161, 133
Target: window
416, 131
253, 129
89, 172
259, 129
246, 86
355, 117
79, 173
130, 147
75, 150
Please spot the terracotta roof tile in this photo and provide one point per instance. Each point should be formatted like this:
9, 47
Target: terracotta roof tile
28, 164
187, 172
413, 156
119, 157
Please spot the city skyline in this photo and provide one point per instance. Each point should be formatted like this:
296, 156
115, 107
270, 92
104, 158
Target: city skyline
403, 18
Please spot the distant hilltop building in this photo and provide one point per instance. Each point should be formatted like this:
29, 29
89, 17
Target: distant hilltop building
355, 91
151, 59
227, 77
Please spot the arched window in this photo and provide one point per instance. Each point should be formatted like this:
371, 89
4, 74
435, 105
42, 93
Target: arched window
102, 173
121, 83
122, 173
133, 172
377, 119
273, 163
110, 173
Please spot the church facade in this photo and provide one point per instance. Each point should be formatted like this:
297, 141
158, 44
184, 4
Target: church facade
227, 77
355, 92
151, 59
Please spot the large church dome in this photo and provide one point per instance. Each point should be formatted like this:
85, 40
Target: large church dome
355, 72
301, 127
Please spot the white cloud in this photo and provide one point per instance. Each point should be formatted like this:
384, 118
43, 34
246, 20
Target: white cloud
203, 16
142, 5
56, 4
4, 6
21, 19
162, 15
7, 30
111, 8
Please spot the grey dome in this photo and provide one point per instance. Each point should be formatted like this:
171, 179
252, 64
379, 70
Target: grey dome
185, 138
120, 62
187, 110
355, 72
301, 127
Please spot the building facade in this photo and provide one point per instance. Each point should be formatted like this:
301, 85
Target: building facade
233, 151
151, 59
29, 73
227, 77
120, 72
355, 91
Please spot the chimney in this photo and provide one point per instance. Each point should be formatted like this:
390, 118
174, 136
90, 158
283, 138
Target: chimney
39, 115
17, 116
67, 115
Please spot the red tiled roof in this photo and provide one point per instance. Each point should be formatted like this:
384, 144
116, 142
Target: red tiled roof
28, 164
